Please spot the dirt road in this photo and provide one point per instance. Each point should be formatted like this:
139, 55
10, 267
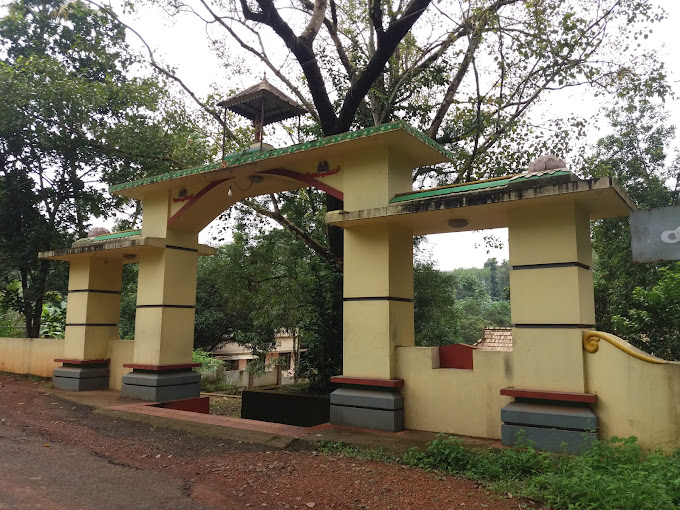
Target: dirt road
55, 454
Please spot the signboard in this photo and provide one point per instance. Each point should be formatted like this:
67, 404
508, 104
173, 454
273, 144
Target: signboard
655, 234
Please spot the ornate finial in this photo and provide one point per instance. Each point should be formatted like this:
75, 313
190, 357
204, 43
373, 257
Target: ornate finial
545, 163
97, 231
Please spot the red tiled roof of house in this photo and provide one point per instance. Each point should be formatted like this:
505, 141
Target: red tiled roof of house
495, 339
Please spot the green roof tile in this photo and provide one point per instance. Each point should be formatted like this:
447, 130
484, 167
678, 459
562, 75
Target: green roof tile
460, 188
249, 157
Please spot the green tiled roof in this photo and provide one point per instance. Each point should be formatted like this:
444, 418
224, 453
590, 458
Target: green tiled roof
116, 235
460, 188
250, 157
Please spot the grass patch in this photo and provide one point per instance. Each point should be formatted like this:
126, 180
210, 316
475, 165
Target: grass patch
25, 377
356, 452
613, 474
299, 387
210, 385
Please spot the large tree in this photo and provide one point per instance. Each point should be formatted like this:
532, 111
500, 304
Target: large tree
466, 73
635, 300
71, 120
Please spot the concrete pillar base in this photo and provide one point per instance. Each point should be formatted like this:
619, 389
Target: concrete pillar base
81, 375
548, 439
548, 420
374, 408
161, 386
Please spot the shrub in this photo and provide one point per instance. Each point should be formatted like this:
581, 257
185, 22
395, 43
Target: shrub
208, 363
612, 474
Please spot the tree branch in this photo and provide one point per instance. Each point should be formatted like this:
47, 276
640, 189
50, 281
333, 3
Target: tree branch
152, 60
387, 41
300, 234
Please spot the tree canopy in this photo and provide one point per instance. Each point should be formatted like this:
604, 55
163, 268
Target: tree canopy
71, 121
635, 300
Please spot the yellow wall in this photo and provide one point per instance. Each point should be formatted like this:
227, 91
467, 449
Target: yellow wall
36, 356
85, 337
635, 397
30, 355
372, 330
456, 401
120, 351
549, 233
378, 289
560, 295
371, 179
548, 359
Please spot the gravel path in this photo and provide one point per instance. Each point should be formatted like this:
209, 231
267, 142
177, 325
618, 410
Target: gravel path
55, 454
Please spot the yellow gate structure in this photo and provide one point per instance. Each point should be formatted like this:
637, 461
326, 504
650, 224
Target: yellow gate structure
560, 385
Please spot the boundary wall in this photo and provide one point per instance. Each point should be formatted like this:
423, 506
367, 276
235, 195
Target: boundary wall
36, 356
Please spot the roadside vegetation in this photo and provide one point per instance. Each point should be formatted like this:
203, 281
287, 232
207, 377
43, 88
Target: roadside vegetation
613, 474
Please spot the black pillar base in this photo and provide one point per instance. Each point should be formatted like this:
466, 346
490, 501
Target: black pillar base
81, 377
368, 403
161, 386
549, 420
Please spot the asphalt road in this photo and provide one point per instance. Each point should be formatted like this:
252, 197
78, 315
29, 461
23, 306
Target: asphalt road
37, 474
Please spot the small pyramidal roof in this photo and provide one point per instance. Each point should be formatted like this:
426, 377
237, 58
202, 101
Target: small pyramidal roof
251, 102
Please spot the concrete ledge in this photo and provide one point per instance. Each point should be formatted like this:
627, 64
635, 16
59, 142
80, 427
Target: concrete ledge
560, 396
81, 378
374, 399
160, 393
84, 384
365, 381
575, 418
377, 419
161, 378
554, 440
81, 372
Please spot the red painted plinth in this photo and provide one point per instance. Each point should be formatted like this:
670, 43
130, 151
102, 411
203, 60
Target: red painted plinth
456, 356
564, 396
160, 368
194, 405
83, 361
364, 381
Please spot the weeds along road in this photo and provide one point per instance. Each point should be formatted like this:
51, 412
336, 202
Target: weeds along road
55, 454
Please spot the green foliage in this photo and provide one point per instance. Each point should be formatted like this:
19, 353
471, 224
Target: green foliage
71, 115
355, 452
435, 313
627, 295
446, 453
652, 320
211, 384
208, 363
456, 306
53, 319
267, 281
613, 474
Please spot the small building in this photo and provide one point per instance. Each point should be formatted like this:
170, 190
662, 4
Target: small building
237, 356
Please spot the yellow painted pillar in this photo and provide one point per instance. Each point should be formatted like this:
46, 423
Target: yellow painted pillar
378, 297
164, 325
551, 293
91, 323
